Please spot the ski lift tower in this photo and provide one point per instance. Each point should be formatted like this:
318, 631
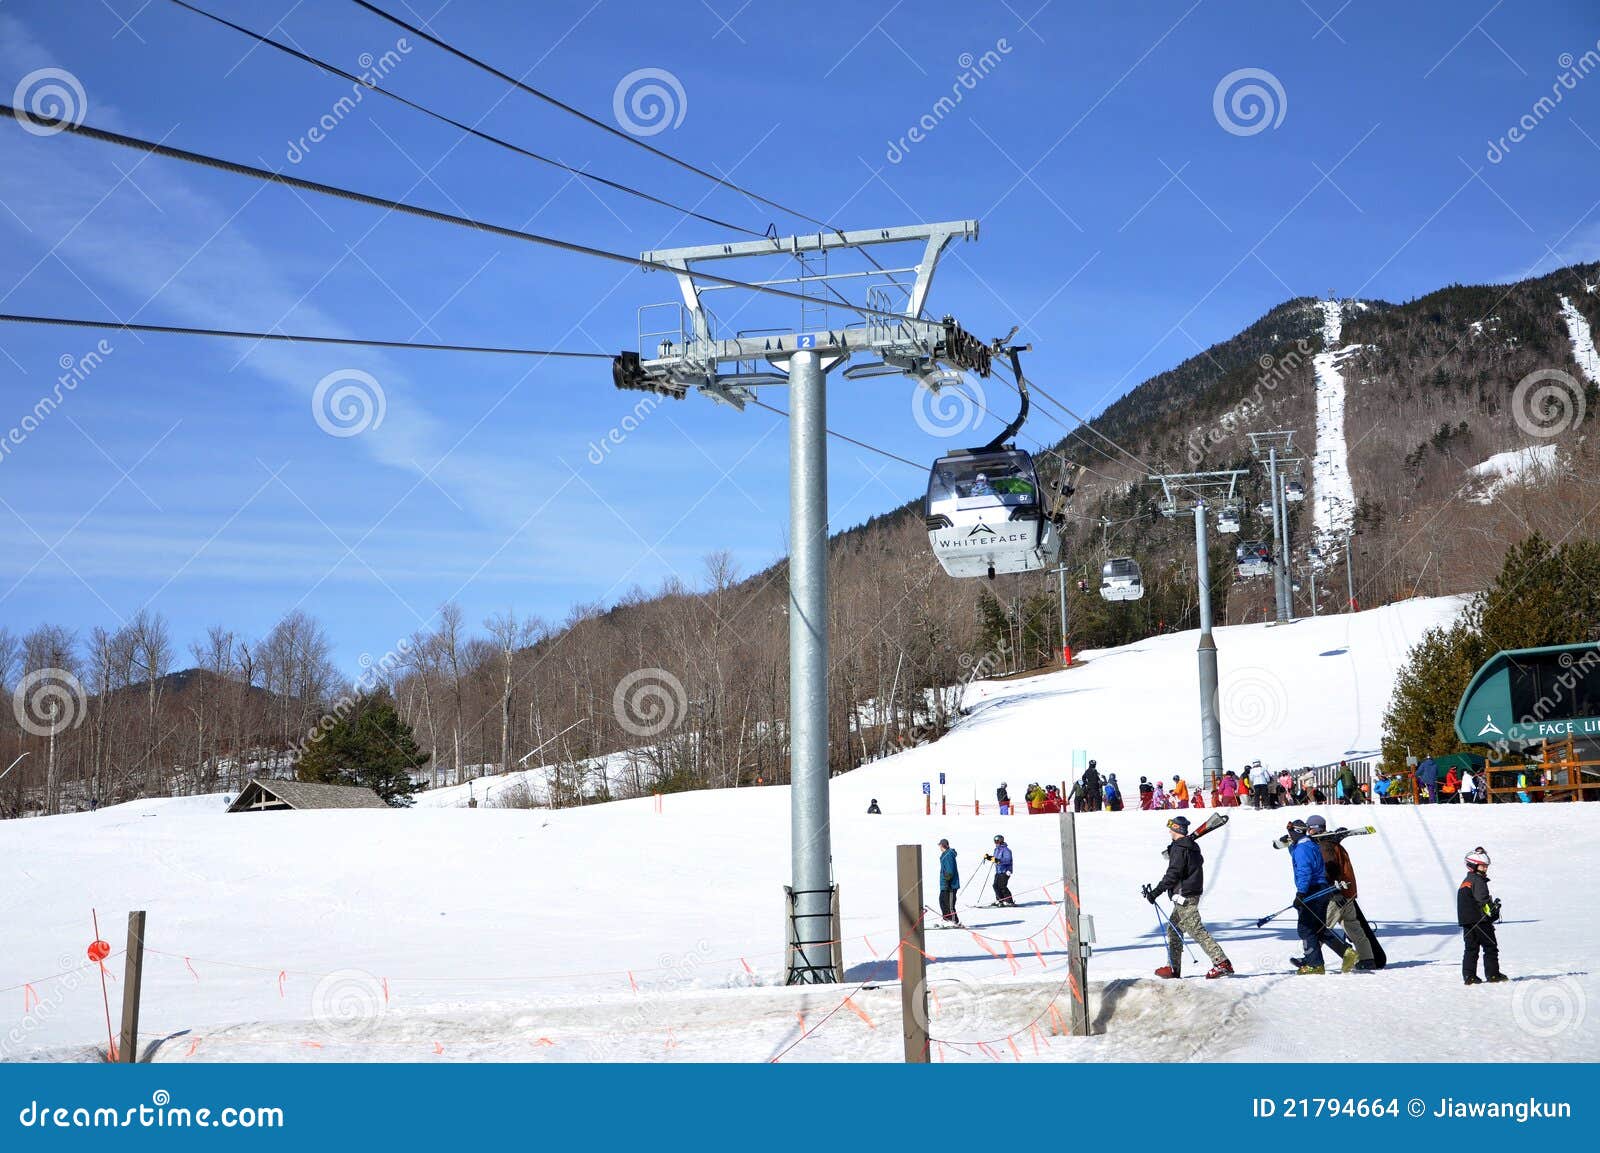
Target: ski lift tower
890, 329
1275, 450
1194, 488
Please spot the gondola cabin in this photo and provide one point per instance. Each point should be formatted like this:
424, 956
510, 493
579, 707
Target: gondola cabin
1120, 579
986, 515
1254, 558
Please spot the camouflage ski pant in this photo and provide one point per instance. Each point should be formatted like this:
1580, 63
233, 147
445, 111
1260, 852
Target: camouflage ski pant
1342, 915
1186, 920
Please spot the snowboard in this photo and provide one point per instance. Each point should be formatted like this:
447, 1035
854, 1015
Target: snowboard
1379, 957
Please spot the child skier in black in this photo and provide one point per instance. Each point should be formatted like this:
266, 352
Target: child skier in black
1477, 912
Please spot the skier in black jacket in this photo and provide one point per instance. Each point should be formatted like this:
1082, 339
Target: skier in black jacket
1185, 880
1477, 911
1093, 789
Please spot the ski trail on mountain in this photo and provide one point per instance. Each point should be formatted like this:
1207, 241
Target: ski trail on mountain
1335, 494
1582, 340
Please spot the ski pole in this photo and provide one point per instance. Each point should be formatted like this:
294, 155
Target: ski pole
1262, 921
1159, 918
986, 874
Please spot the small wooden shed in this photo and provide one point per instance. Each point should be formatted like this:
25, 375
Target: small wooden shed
271, 796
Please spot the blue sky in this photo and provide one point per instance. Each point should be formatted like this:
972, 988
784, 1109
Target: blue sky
1123, 225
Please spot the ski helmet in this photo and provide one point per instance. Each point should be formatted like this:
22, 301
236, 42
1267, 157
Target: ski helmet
1478, 857
1181, 824
999, 840
1316, 821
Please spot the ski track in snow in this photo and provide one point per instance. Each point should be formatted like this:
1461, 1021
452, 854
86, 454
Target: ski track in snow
1582, 341
1335, 493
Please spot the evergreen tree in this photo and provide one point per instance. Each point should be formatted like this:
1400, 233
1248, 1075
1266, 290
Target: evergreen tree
367, 745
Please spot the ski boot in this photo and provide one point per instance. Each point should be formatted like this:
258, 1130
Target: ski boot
1350, 960
1366, 967
1223, 968
1472, 980
1498, 978
1167, 972
1311, 970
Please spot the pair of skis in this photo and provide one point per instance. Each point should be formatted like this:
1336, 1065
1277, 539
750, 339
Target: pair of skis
1214, 821
1335, 835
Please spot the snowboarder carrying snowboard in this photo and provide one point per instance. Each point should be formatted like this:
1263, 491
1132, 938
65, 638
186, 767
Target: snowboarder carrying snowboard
1311, 903
1002, 873
1185, 880
1477, 912
949, 883
1342, 908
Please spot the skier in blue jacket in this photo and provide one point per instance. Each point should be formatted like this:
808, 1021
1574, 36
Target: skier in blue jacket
949, 883
1311, 903
1002, 873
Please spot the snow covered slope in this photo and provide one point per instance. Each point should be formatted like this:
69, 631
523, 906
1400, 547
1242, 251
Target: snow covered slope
1582, 341
1531, 465
622, 932
1334, 492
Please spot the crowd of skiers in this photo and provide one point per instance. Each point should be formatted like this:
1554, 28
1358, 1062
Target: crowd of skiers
1326, 901
1326, 905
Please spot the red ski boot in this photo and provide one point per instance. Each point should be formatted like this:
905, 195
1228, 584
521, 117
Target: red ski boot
1223, 968
1167, 972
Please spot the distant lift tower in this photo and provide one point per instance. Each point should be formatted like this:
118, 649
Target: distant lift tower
687, 353
1183, 492
1276, 450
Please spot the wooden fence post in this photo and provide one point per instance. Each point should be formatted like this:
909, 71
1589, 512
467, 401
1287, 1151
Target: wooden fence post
1077, 954
909, 950
132, 981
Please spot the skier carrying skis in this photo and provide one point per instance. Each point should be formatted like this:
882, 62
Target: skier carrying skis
1342, 908
1002, 873
1311, 903
1185, 881
949, 883
1477, 911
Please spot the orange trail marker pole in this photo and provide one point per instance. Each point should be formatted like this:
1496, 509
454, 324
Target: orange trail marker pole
98, 952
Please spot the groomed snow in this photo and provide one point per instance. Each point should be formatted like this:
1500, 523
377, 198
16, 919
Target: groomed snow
1335, 494
620, 932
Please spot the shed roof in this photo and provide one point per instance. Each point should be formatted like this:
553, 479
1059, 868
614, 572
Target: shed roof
260, 794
